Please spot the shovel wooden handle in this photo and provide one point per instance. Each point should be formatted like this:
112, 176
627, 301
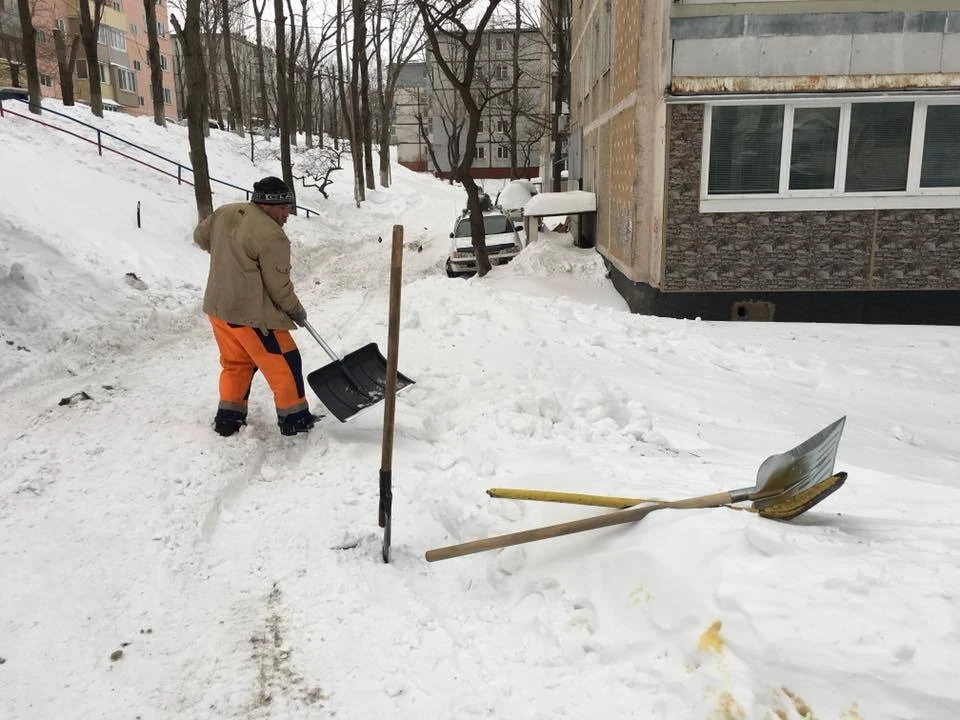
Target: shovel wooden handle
607, 501
574, 526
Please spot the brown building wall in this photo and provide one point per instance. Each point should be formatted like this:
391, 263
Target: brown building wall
798, 251
622, 117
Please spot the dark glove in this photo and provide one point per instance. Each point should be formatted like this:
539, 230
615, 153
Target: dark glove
299, 317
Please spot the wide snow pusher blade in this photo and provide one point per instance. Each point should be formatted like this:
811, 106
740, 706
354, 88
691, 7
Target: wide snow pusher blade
351, 384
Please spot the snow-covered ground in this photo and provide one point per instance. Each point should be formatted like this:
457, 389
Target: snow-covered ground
241, 577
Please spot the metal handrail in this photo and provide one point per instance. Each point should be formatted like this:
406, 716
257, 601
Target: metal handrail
101, 147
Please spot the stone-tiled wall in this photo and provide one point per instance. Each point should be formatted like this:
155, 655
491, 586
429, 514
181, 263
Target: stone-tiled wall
850, 250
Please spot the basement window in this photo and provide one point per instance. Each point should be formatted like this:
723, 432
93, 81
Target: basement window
813, 154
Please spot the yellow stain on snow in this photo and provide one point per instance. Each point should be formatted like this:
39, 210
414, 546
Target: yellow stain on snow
727, 708
640, 595
710, 640
803, 710
852, 713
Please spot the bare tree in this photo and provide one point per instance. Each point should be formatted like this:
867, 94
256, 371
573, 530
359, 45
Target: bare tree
348, 104
66, 62
314, 58
235, 117
89, 35
210, 19
356, 111
196, 104
28, 39
554, 21
153, 58
293, 54
515, 104
258, 7
283, 97
426, 140
403, 43
444, 26
319, 164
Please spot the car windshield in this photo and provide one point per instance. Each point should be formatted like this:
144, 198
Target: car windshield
492, 225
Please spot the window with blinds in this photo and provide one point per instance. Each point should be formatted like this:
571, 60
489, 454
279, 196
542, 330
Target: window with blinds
940, 166
849, 154
879, 146
745, 145
813, 156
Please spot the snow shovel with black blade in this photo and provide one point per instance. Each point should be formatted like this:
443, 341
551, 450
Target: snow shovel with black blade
352, 383
787, 485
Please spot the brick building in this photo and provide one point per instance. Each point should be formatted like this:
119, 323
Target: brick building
779, 159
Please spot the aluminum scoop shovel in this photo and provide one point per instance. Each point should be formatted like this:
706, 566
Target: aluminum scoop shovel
787, 485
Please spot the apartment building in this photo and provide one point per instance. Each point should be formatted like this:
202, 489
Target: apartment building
777, 159
447, 116
411, 102
122, 53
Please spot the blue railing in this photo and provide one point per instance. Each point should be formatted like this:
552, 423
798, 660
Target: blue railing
101, 147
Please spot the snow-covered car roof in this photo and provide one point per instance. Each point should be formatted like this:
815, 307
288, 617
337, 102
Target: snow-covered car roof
516, 194
561, 203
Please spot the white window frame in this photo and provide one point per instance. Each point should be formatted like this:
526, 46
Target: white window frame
167, 96
503, 152
163, 62
786, 200
126, 77
480, 153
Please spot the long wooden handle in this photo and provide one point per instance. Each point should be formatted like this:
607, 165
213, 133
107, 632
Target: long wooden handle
608, 501
574, 526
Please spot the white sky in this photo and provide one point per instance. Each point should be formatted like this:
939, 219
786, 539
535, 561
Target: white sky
127, 523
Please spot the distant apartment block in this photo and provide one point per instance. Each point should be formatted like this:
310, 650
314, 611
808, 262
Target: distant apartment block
122, 52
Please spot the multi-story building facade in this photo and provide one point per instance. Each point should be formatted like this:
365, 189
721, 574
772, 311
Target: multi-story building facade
778, 159
122, 53
447, 116
411, 102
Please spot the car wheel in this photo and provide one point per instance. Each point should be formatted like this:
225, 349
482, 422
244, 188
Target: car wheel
450, 272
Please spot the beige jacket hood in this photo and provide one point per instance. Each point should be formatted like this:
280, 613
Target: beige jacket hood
249, 281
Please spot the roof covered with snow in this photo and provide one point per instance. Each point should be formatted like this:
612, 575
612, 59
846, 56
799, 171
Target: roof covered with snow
561, 203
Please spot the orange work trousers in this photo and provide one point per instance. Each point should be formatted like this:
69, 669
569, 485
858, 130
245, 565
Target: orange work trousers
243, 351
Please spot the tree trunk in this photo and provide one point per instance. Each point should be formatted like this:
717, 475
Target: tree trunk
356, 120
66, 64
261, 72
366, 115
89, 31
515, 99
153, 58
196, 105
213, 92
233, 92
283, 110
28, 36
562, 41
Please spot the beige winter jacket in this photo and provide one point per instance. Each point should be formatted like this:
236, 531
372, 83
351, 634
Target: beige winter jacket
249, 281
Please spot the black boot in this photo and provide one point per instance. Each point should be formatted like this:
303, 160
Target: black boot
227, 422
298, 422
